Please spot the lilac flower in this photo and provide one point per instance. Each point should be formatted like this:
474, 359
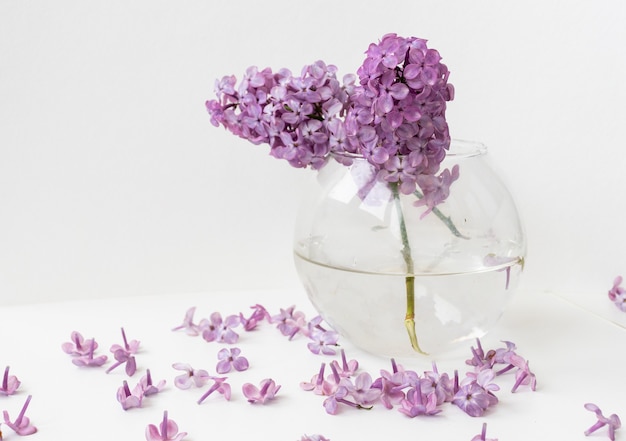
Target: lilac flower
146, 387
612, 421
331, 404
128, 399
88, 359
259, 314
318, 384
362, 391
21, 425
191, 376
439, 384
265, 392
313, 438
125, 355
10, 383
167, 431
617, 294
229, 359
188, 325
482, 435
79, 346
289, 321
347, 368
322, 341
417, 403
523, 374
219, 385
475, 393
216, 329
391, 388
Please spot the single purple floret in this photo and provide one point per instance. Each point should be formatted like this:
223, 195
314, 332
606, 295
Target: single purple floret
167, 431
21, 425
229, 359
266, 391
10, 383
613, 422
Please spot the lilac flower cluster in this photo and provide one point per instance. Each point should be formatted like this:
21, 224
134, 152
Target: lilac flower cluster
394, 117
416, 394
397, 115
617, 294
298, 116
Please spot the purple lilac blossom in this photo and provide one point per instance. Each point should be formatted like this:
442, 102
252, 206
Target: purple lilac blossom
219, 385
289, 321
612, 421
617, 294
10, 383
125, 355
88, 359
21, 425
216, 329
417, 403
188, 325
315, 437
146, 387
394, 116
127, 398
229, 359
78, 345
167, 431
482, 436
266, 391
191, 377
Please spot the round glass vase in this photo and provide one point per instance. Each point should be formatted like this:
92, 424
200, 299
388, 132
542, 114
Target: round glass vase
397, 281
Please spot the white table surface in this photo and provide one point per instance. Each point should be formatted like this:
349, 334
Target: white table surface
576, 350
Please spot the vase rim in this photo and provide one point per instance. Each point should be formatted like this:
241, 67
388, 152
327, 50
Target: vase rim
459, 148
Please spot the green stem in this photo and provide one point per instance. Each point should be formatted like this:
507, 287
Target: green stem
409, 319
445, 219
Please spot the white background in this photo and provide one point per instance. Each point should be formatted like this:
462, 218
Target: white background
114, 183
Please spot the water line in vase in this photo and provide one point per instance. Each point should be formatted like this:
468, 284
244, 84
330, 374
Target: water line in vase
409, 319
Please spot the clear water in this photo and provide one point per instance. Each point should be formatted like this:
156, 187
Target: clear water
369, 308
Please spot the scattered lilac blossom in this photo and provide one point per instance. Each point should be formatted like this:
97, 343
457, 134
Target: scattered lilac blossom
79, 346
229, 359
323, 341
612, 421
318, 384
313, 438
167, 431
417, 403
289, 321
188, 325
266, 391
125, 355
361, 390
482, 436
347, 368
146, 386
219, 385
191, 377
617, 294
21, 425
220, 330
259, 314
10, 383
127, 398
88, 359
475, 393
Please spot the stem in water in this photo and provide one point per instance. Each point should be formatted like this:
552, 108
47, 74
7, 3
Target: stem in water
409, 320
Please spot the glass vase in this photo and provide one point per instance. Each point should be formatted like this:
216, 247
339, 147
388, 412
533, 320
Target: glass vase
396, 280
